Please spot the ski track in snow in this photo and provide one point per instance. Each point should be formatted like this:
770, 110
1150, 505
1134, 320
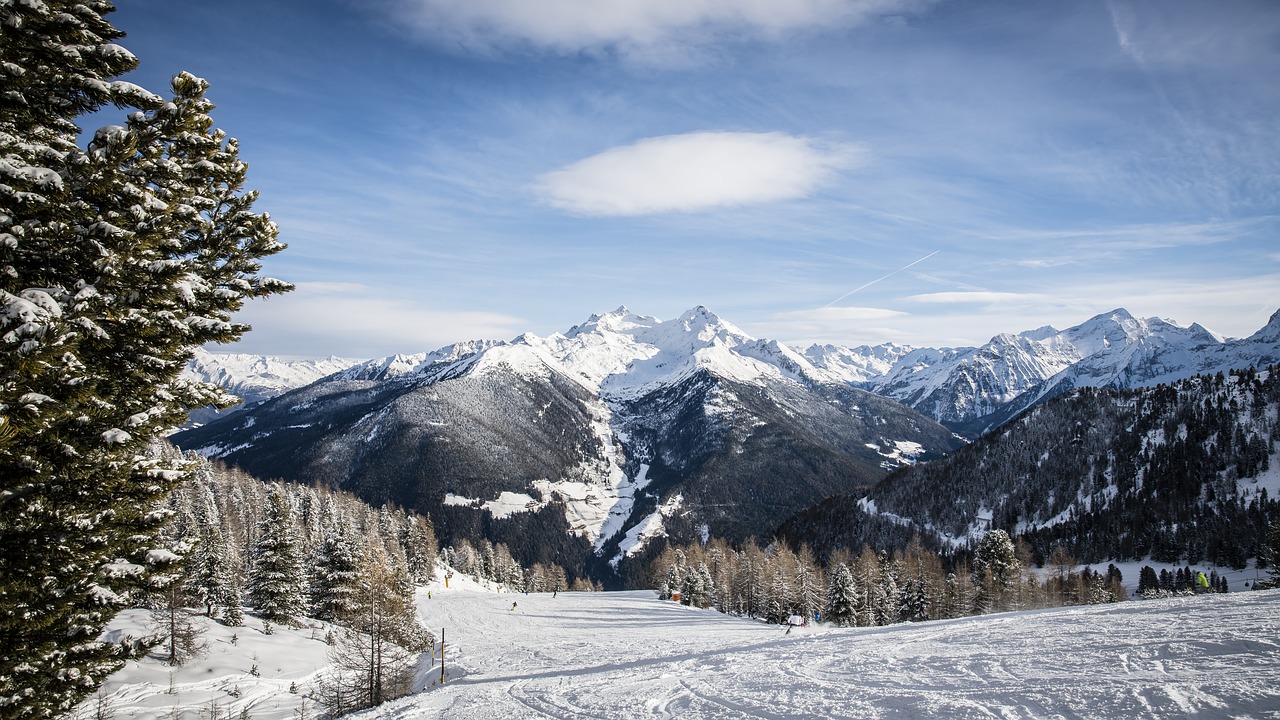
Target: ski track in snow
628, 655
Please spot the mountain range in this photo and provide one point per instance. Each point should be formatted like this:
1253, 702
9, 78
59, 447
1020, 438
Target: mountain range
619, 430
972, 390
627, 428
254, 378
969, 389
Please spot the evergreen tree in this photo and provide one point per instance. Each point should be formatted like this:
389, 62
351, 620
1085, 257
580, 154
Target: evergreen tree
809, 593
210, 580
178, 634
675, 576
420, 548
996, 568
866, 575
841, 603
1148, 581
116, 261
706, 587
232, 607
885, 598
1271, 552
335, 579
275, 577
1099, 592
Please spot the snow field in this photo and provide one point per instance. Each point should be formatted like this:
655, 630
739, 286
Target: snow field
222, 677
629, 655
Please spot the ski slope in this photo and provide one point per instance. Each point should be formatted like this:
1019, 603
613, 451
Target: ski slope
629, 655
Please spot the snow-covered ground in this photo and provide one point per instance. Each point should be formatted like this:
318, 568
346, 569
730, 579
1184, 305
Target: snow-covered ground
629, 655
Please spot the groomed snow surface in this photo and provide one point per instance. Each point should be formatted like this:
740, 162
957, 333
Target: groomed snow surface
629, 655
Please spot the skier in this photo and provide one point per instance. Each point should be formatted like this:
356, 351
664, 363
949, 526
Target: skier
513, 606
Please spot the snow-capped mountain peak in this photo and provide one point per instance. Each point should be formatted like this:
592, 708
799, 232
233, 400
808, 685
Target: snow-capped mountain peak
254, 378
979, 388
264, 373
621, 354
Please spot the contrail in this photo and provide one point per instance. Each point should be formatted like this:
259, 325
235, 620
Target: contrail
873, 282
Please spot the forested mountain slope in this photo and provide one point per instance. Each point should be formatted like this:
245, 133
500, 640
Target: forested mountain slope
1179, 472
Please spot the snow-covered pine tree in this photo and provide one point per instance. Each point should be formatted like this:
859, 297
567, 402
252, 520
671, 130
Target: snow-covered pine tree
233, 605
675, 575
690, 588
180, 637
706, 587
841, 604
210, 572
1271, 552
115, 263
886, 595
866, 576
718, 558
1099, 591
921, 576
748, 580
995, 569
950, 605
275, 582
778, 592
420, 548
809, 590
335, 578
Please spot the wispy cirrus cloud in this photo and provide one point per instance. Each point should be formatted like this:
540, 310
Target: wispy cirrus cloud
692, 172
838, 325
980, 297
571, 26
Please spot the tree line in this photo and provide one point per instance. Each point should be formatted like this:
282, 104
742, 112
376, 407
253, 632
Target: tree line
490, 562
777, 583
286, 552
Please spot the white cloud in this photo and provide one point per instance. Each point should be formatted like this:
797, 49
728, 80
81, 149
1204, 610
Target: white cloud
836, 325
570, 26
353, 320
697, 171
980, 296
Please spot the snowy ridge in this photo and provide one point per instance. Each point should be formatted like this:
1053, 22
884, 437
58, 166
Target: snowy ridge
619, 355
419, 364
259, 376
979, 388
858, 365
254, 378
586, 417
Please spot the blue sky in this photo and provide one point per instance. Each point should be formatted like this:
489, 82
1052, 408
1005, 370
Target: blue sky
846, 171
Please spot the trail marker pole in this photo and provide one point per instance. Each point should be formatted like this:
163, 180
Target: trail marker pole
441, 656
